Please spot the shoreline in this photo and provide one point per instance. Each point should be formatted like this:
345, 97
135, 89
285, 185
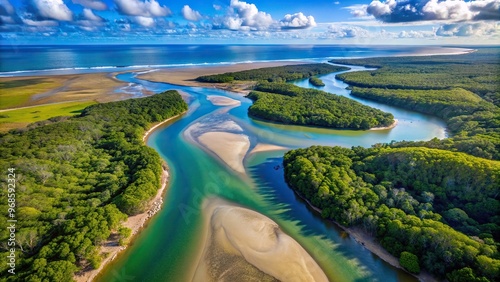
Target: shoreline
136, 222
146, 135
369, 242
394, 124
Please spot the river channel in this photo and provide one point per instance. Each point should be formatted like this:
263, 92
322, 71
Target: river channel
168, 248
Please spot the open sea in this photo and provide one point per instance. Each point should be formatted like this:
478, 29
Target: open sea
69, 59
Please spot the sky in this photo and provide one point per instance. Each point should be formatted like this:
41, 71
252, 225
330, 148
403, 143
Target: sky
361, 22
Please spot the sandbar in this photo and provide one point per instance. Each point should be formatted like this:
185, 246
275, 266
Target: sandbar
231, 148
261, 147
223, 101
186, 75
243, 245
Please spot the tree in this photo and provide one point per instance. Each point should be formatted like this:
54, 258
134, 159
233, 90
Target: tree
409, 262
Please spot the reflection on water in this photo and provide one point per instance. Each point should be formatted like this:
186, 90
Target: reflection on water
170, 247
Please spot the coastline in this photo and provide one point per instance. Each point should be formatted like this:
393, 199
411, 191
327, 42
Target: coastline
136, 223
368, 241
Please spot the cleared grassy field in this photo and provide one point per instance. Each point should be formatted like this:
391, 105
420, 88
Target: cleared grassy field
17, 92
20, 118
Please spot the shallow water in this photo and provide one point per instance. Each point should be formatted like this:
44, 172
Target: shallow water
167, 249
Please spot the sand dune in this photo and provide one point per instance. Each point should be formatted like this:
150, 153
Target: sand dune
231, 148
244, 245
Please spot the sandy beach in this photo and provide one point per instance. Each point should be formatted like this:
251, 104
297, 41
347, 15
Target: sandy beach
394, 124
187, 75
231, 148
243, 245
154, 127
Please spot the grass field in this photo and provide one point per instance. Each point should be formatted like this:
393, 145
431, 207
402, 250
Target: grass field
17, 92
20, 118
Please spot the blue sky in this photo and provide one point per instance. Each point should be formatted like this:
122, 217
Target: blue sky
249, 22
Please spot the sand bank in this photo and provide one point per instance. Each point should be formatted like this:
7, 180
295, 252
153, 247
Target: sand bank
187, 75
223, 101
98, 87
261, 147
243, 245
231, 148
394, 124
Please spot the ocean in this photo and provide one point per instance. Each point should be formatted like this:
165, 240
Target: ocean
69, 59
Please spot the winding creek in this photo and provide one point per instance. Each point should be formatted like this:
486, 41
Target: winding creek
169, 248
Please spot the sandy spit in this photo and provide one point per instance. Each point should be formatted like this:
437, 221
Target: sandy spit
186, 75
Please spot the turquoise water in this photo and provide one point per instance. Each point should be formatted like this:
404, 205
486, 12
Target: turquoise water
167, 250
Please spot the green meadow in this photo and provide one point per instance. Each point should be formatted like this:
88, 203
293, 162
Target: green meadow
22, 117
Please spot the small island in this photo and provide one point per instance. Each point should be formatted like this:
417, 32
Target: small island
277, 101
316, 81
290, 104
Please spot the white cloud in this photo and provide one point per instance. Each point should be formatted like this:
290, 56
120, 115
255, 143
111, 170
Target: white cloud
144, 21
339, 31
53, 9
358, 10
336, 2
6, 8
149, 8
92, 4
40, 23
297, 21
6, 20
416, 34
395, 11
447, 10
217, 7
479, 29
89, 15
245, 16
190, 14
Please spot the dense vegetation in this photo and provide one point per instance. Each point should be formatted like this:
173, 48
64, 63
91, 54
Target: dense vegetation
437, 206
464, 90
316, 81
76, 181
274, 74
290, 104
